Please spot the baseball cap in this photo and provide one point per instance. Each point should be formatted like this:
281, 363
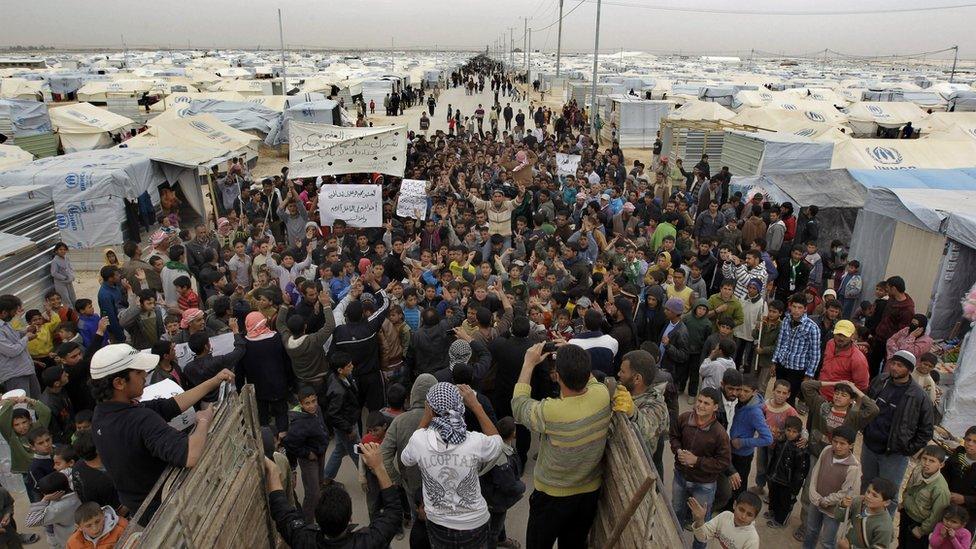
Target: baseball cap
844, 328
605, 196
120, 357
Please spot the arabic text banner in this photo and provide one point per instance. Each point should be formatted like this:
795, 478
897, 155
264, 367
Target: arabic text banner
324, 149
357, 205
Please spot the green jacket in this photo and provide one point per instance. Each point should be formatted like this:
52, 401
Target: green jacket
734, 310
767, 343
870, 532
650, 417
925, 499
858, 416
698, 328
20, 454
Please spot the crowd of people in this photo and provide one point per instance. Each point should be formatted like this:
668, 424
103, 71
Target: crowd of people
442, 354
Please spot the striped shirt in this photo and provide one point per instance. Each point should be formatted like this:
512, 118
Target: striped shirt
575, 430
798, 347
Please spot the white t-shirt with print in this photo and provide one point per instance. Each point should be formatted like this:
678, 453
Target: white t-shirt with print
452, 493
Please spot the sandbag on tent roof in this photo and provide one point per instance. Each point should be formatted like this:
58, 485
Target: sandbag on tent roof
702, 110
84, 126
903, 154
866, 116
12, 156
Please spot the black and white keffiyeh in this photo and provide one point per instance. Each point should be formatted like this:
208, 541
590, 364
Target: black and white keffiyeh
448, 407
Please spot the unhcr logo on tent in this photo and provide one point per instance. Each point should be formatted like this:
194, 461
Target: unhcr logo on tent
815, 116
766, 96
885, 155
78, 181
789, 106
806, 132
877, 111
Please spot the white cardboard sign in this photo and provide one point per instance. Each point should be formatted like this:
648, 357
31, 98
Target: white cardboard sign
324, 149
357, 205
412, 199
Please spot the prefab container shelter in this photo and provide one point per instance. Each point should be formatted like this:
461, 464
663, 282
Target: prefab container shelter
28, 233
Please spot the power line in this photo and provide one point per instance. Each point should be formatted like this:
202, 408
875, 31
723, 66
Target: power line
783, 13
541, 3
565, 15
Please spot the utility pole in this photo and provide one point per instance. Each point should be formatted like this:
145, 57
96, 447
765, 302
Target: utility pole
559, 38
284, 70
511, 49
392, 65
525, 44
125, 52
955, 57
528, 59
596, 55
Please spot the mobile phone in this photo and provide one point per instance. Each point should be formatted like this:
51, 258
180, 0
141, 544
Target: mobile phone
357, 449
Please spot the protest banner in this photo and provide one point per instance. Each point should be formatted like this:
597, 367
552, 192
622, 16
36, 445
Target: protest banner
324, 149
412, 201
168, 389
566, 164
357, 205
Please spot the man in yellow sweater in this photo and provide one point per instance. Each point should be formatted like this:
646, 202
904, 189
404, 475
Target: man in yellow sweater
568, 474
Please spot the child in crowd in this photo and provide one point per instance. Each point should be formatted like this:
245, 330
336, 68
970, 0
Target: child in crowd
869, 525
188, 299
87, 320
715, 365
343, 412
926, 377
53, 379
68, 333
777, 411
396, 398
42, 462
15, 423
98, 527
502, 485
83, 421
960, 474
765, 336
376, 426
925, 496
951, 532
735, 529
9, 537
787, 468
55, 510
41, 347
699, 329
306, 442
748, 430
835, 476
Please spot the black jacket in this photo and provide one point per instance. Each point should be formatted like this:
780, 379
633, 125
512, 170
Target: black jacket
676, 352
429, 345
265, 364
202, 368
961, 478
359, 339
502, 485
650, 323
343, 408
783, 280
298, 534
306, 434
913, 424
788, 465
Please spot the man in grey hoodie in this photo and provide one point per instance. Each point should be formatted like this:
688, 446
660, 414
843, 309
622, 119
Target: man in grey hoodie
307, 351
398, 435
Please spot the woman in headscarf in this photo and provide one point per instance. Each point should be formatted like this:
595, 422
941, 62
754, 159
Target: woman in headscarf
911, 338
265, 364
449, 458
662, 264
111, 258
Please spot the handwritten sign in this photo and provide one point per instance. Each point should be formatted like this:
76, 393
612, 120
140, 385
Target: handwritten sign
566, 164
324, 149
413, 199
357, 205
168, 389
221, 344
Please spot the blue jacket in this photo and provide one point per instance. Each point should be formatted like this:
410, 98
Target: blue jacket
749, 420
110, 304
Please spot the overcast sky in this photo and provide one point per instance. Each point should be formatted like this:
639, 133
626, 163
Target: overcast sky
470, 23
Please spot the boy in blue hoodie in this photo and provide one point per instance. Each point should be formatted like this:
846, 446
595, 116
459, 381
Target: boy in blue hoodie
747, 432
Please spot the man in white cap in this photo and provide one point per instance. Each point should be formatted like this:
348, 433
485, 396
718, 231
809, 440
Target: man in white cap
134, 439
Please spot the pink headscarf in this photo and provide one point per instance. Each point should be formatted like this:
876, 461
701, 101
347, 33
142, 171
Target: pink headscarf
364, 265
257, 326
189, 316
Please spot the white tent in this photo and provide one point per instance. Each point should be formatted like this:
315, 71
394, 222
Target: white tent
243, 87
707, 111
84, 126
178, 99
324, 111
12, 156
21, 88
780, 120
902, 154
866, 117
819, 94
753, 153
199, 140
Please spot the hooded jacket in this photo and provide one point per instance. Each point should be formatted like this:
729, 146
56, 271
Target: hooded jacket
307, 352
399, 432
306, 434
111, 533
749, 426
501, 481
650, 322
59, 514
698, 328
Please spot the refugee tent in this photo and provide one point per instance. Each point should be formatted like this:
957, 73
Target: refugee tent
919, 224
203, 135
815, 111
718, 93
702, 111
28, 125
243, 87
175, 100
837, 194
21, 88
241, 115
84, 126
904, 154
757, 98
90, 190
753, 153
781, 120
940, 124
962, 101
28, 234
866, 117
273, 102
819, 94
325, 111
12, 155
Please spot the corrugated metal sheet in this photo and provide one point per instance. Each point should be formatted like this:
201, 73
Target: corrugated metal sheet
41, 146
27, 272
690, 145
742, 153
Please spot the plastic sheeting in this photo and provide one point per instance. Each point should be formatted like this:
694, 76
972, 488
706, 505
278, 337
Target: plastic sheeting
904, 154
240, 115
27, 117
956, 275
961, 412
314, 112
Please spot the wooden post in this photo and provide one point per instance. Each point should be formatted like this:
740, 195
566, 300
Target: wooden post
635, 501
